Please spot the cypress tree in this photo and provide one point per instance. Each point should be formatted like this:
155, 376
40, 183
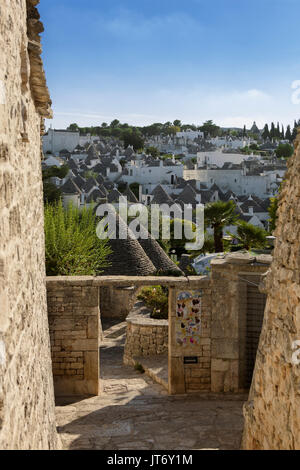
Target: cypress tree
288, 134
266, 132
273, 131
295, 130
278, 131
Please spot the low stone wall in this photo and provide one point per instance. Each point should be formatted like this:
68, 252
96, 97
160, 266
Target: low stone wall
117, 301
74, 323
145, 336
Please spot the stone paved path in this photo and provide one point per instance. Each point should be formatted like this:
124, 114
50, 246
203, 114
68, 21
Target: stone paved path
135, 413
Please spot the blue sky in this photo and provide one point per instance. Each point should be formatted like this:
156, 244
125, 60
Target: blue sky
145, 61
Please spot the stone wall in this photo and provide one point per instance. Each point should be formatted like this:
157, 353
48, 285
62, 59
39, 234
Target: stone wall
145, 336
229, 313
74, 301
190, 346
207, 328
272, 414
116, 302
74, 321
27, 419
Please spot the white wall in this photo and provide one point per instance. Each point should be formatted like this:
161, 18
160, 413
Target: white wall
55, 141
229, 143
218, 158
152, 175
189, 134
233, 180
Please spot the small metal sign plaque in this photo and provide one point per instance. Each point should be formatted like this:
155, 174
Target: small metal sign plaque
190, 360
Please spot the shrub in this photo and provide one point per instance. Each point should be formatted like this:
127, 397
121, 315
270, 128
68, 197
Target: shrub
72, 246
157, 299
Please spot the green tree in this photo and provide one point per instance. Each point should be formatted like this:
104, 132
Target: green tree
288, 134
273, 213
278, 133
116, 132
133, 138
295, 131
153, 151
172, 130
210, 128
73, 127
71, 242
177, 123
218, 215
272, 131
250, 236
52, 193
284, 150
266, 132
114, 123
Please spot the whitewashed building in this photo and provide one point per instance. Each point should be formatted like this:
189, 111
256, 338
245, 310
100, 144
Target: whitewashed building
218, 158
56, 140
190, 135
238, 180
229, 142
158, 173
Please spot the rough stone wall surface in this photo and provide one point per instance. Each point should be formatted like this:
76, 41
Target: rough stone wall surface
74, 322
272, 414
190, 377
27, 419
213, 362
228, 325
145, 337
117, 302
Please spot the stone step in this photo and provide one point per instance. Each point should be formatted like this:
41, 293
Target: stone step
155, 367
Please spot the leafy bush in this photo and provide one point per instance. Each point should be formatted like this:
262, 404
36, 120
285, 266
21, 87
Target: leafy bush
72, 246
157, 299
249, 236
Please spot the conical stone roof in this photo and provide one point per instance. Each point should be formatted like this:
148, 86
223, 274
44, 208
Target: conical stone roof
70, 188
128, 257
161, 261
161, 196
130, 196
92, 152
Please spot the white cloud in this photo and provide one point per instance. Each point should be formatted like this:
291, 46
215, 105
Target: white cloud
128, 24
254, 93
194, 105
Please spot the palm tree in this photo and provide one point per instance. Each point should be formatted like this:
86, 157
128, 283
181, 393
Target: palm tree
217, 216
250, 236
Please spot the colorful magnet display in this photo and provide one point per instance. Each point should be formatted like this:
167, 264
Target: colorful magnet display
188, 318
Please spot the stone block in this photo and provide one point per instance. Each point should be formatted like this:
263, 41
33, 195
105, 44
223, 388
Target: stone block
93, 325
224, 349
81, 344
